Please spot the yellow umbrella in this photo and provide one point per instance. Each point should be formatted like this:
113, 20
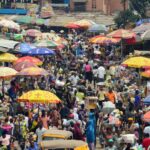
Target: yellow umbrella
7, 72
85, 23
137, 62
39, 96
7, 57
33, 71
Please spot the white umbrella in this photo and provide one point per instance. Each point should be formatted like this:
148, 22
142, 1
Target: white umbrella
146, 35
147, 130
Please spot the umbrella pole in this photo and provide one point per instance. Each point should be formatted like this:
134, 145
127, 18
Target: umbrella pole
121, 49
3, 84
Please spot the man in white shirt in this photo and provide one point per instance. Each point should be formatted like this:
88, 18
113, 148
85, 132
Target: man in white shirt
74, 79
101, 73
39, 132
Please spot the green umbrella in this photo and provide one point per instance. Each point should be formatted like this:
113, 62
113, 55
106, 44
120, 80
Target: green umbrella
39, 21
18, 37
46, 44
24, 19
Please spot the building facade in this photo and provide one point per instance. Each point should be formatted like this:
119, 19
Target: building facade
105, 6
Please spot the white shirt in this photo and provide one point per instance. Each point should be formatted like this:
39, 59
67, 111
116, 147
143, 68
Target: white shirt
74, 80
101, 72
40, 133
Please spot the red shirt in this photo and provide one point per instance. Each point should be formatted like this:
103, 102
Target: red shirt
146, 143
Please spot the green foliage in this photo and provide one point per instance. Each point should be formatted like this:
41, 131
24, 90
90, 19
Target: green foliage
140, 6
125, 17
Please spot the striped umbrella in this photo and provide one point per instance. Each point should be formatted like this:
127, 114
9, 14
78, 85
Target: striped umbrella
121, 33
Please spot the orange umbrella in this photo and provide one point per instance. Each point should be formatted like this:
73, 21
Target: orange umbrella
146, 73
121, 33
33, 71
33, 60
104, 40
146, 117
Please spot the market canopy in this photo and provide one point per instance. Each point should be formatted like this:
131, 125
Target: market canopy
6, 72
29, 20
41, 51
121, 33
9, 24
146, 117
142, 28
10, 44
33, 33
7, 57
97, 28
84, 23
33, 60
39, 96
46, 43
33, 71
137, 62
22, 65
104, 40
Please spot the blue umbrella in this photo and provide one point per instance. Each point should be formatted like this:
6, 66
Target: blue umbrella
24, 48
41, 51
147, 100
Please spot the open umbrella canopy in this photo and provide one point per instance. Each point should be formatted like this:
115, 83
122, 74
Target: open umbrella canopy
146, 35
146, 73
7, 57
39, 96
33, 60
137, 62
121, 33
33, 71
22, 65
98, 28
6, 72
9, 24
104, 40
72, 26
146, 117
24, 19
46, 43
84, 23
147, 100
33, 32
24, 47
41, 51
142, 28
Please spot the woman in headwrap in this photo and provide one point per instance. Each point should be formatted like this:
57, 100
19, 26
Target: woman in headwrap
90, 135
77, 133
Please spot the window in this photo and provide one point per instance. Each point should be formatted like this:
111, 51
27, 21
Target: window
94, 4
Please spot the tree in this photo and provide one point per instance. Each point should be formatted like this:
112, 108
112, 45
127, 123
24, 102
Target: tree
125, 17
140, 6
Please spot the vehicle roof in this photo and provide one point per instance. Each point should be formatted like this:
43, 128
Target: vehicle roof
53, 144
58, 132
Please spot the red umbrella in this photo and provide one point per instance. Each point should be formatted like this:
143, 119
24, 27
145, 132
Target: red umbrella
121, 33
73, 26
33, 60
22, 65
33, 32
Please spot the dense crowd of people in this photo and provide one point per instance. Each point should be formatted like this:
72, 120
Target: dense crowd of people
78, 72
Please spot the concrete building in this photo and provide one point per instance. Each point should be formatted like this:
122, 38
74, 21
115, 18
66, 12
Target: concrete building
105, 6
